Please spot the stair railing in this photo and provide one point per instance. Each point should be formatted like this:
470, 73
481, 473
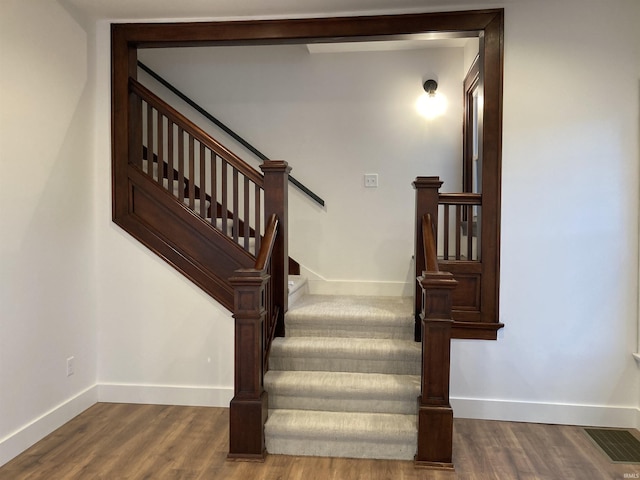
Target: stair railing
435, 415
210, 180
255, 317
303, 188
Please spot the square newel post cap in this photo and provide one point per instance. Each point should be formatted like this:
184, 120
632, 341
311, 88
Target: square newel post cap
427, 182
270, 166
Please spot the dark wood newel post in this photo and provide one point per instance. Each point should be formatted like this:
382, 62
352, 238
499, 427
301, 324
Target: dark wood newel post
276, 198
248, 408
427, 197
435, 415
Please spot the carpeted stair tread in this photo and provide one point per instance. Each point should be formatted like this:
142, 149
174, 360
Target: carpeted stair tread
343, 391
363, 355
351, 316
344, 381
341, 434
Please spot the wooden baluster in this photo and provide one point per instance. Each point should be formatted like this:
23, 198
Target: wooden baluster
276, 198
478, 220
247, 225
235, 212
203, 182
469, 232
435, 415
214, 188
170, 167
160, 157
257, 216
446, 231
225, 209
249, 406
192, 176
427, 198
180, 164
458, 231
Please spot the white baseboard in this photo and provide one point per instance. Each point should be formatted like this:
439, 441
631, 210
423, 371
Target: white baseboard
17, 442
552, 413
165, 395
318, 285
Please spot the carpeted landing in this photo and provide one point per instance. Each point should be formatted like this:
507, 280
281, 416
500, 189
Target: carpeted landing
344, 381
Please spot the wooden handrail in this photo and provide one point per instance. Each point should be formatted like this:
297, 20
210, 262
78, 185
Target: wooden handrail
429, 244
195, 131
460, 199
269, 240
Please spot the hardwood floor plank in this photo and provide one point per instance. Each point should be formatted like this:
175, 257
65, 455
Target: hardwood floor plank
135, 442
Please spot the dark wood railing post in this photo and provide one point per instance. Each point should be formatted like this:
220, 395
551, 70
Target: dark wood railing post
248, 408
435, 415
427, 196
276, 195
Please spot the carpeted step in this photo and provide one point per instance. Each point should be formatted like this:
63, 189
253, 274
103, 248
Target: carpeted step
351, 316
343, 391
341, 434
298, 287
401, 357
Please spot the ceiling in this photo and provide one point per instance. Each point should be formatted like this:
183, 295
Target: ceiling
212, 9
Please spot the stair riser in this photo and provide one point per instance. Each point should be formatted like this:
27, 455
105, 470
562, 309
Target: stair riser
350, 331
345, 449
366, 365
407, 406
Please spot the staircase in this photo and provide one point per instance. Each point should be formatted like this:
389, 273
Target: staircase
330, 376
345, 379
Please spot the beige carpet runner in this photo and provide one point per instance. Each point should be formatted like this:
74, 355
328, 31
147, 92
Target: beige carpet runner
344, 381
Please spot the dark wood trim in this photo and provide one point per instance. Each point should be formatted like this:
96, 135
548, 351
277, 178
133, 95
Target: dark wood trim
452, 24
471, 82
492, 43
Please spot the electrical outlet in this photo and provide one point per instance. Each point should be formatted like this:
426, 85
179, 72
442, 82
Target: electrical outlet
371, 180
70, 366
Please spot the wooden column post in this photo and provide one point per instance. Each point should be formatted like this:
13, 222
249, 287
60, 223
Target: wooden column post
435, 415
276, 199
249, 406
427, 197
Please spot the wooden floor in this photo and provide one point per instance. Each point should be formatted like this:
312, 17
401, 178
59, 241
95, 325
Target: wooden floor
122, 441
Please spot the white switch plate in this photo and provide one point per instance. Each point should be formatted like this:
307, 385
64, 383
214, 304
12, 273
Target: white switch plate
70, 366
371, 180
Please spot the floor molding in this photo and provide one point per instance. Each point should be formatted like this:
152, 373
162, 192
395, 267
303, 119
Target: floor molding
165, 395
552, 413
37, 429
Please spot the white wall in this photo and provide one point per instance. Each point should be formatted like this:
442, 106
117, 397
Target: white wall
47, 274
335, 117
161, 339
